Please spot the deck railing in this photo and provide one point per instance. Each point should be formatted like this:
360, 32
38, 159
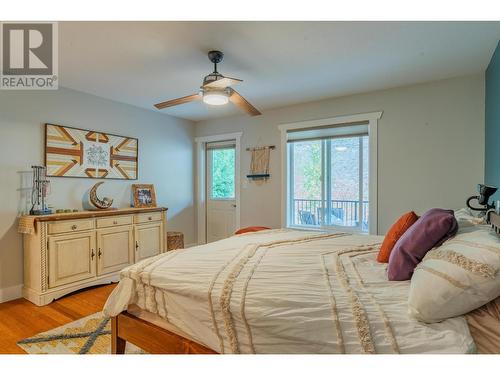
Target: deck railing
342, 212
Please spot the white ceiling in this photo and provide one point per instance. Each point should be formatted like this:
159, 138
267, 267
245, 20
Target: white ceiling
281, 63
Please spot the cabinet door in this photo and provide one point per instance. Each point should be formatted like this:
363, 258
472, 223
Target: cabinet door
115, 249
148, 240
72, 258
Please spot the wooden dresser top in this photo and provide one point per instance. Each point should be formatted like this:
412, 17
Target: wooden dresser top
90, 214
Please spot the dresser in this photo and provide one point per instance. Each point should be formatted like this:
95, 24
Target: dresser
70, 251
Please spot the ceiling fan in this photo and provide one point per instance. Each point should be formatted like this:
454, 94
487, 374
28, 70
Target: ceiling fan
215, 90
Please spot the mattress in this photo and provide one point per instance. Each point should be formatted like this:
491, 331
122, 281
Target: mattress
284, 291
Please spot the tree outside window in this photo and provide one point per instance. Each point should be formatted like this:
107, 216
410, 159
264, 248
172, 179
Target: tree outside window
223, 173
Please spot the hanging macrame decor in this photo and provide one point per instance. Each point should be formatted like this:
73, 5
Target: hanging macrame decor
259, 164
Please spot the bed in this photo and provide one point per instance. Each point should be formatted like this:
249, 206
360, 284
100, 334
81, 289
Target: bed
274, 291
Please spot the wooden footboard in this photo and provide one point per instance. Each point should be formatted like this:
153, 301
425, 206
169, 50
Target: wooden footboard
149, 337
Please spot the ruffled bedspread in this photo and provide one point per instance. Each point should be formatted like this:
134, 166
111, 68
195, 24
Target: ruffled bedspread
285, 291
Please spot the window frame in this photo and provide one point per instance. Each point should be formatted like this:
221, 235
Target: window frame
372, 120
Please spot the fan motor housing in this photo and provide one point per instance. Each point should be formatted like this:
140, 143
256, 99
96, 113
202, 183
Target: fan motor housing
211, 78
215, 56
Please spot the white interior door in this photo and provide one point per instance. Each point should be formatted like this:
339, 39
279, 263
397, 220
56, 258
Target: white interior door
221, 190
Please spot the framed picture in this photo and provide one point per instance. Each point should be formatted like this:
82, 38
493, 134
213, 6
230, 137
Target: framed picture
144, 195
73, 152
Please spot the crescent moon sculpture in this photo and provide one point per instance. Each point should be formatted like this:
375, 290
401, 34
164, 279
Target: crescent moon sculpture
101, 204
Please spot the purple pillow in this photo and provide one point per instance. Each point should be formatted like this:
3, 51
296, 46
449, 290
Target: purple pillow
430, 230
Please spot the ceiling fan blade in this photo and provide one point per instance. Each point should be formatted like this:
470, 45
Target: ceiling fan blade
242, 103
184, 99
222, 83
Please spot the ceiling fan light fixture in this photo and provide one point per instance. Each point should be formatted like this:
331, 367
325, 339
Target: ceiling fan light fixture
216, 97
215, 90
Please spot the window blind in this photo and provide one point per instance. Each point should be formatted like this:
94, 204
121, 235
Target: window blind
327, 132
221, 145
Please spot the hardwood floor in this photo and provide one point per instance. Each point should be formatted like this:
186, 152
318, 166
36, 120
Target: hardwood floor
20, 319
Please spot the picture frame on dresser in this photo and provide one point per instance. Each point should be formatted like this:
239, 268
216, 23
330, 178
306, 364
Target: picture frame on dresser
144, 195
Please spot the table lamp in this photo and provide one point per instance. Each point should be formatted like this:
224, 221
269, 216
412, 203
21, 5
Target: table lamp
485, 192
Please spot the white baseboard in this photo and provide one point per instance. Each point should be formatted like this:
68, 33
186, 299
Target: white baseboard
11, 292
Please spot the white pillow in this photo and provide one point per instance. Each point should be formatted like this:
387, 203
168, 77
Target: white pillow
457, 277
465, 218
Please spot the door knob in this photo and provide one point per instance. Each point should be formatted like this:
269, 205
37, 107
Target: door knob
92, 255
99, 253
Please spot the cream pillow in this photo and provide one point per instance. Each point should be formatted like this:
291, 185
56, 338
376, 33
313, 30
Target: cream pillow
457, 277
466, 218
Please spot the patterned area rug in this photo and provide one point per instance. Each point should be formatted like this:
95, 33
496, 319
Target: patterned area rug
89, 335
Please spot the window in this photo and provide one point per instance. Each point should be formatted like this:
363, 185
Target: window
221, 161
328, 177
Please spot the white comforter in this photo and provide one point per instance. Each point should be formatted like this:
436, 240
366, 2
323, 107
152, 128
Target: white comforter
284, 291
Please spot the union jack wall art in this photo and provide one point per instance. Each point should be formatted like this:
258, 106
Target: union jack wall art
72, 152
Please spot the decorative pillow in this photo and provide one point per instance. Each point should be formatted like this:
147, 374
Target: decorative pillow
458, 277
250, 229
466, 218
394, 233
432, 229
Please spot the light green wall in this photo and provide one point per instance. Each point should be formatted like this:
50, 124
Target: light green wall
430, 146
165, 159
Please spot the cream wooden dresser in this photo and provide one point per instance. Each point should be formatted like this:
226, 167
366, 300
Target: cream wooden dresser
71, 251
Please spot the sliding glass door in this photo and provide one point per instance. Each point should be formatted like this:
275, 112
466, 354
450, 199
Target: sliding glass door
329, 182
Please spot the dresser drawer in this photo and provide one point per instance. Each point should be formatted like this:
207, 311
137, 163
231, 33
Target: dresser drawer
67, 226
114, 220
148, 217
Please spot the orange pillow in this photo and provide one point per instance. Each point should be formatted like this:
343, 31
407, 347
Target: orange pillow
393, 235
250, 229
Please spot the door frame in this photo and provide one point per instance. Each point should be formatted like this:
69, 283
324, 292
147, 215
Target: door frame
201, 180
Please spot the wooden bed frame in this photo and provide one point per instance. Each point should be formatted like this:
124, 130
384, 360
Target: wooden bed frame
153, 339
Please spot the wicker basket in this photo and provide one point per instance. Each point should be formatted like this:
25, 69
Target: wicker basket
175, 240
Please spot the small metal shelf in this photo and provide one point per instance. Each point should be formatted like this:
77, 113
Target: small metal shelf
258, 176
272, 147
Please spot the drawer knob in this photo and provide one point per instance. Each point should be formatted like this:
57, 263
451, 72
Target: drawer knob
150, 218
115, 222
73, 227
